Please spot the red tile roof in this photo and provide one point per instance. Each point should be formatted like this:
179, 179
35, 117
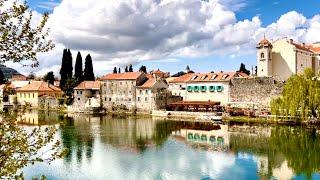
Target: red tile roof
122, 76
89, 85
207, 77
315, 49
39, 86
183, 78
302, 47
18, 77
264, 41
148, 84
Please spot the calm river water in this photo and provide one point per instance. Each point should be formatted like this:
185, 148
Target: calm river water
151, 148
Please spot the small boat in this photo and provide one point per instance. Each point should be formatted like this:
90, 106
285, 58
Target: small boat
211, 118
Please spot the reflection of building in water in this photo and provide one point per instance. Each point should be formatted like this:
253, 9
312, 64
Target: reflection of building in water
34, 117
118, 132
283, 172
216, 138
262, 164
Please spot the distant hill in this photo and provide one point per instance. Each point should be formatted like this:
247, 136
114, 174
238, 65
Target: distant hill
8, 72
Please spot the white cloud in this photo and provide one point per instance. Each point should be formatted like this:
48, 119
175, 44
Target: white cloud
118, 33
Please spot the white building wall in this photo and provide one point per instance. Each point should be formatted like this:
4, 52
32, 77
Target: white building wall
222, 97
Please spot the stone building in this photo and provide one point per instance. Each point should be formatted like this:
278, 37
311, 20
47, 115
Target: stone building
151, 95
119, 90
211, 86
159, 74
283, 58
38, 92
86, 96
178, 85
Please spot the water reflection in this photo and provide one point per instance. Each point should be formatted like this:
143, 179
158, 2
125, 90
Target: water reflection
146, 148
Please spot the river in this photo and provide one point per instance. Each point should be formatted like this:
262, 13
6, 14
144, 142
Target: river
104, 147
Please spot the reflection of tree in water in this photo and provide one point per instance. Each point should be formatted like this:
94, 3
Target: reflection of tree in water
299, 146
76, 139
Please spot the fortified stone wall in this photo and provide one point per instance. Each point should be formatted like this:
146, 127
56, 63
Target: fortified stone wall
258, 90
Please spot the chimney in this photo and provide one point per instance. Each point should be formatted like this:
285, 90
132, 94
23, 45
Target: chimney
303, 44
291, 41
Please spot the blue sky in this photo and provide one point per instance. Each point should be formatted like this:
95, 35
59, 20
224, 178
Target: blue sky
267, 11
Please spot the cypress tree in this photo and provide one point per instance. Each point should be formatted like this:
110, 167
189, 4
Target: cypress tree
63, 70
115, 70
78, 73
49, 77
2, 79
143, 69
126, 69
70, 64
119, 71
88, 74
130, 68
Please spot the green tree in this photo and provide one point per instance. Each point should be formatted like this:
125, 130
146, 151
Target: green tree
66, 67
126, 69
88, 74
31, 76
49, 77
119, 70
115, 70
130, 68
19, 39
300, 97
2, 78
243, 69
78, 73
143, 69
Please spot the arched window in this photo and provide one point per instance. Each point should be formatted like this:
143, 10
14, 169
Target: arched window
262, 55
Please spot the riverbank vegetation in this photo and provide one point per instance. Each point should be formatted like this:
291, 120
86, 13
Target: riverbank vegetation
300, 98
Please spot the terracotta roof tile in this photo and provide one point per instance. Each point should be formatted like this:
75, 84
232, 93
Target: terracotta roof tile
302, 47
264, 41
221, 76
122, 76
148, 84
183, 78
89, 85
314, 49
39, 86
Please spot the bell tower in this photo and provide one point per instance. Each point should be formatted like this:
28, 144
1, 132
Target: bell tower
264, 58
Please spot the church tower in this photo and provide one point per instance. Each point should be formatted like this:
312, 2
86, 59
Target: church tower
264, 58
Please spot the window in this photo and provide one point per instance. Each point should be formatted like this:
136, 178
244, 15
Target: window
262, 55
214, 77
224, 76
78, 99
105, 84
203, 77
33, 95
211, 88
110, 99
80, 92
196, 88
29, 95
146, 99
219, 88
139, 99
129, 100
193, 78
120, 83
146, 91
105, 99
140, 91
189, 89
203, 88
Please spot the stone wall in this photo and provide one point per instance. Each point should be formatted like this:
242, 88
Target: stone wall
257, 90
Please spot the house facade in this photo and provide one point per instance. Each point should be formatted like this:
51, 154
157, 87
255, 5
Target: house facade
284, 58
119, 90
86, 96
151, 95
37, 94
213, 87
178, 85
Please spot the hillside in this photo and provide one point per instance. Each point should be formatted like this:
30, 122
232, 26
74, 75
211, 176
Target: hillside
8, 71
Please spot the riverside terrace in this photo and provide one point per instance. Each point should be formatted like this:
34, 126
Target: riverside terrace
195, 105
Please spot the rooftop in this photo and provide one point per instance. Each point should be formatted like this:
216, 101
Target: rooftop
149, 83
39, 86
89, 85
122, 76
207, 77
